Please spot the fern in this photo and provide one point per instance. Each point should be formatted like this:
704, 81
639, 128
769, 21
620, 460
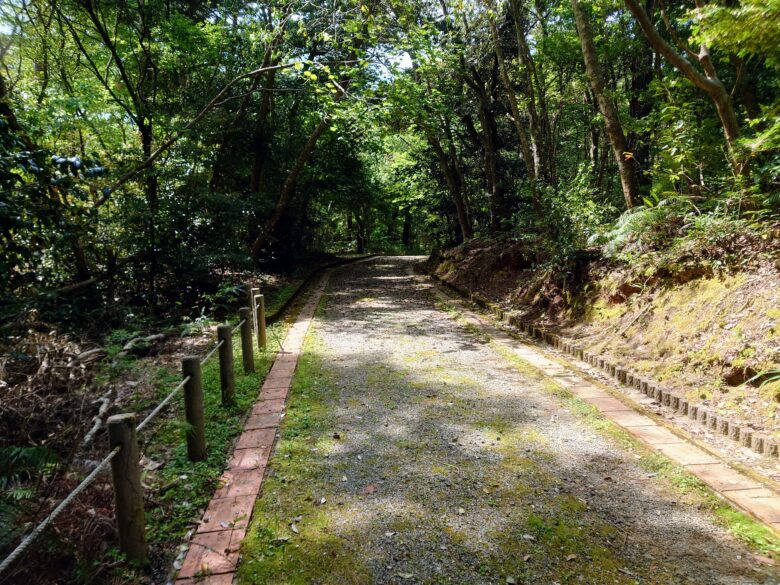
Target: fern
19, 464
772, 200
18, 467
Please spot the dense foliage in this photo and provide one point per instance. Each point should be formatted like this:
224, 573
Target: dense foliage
151, 150
146, 146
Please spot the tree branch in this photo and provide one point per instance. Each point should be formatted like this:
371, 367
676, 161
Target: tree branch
177, 135
660, 45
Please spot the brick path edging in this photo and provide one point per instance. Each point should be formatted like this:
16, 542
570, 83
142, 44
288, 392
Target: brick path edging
213, 553
737, 431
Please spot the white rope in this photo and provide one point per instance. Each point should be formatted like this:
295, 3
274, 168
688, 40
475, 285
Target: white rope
28, 540
211, 353
57, 511
162, 405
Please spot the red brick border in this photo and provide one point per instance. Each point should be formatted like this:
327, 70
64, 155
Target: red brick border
213, 553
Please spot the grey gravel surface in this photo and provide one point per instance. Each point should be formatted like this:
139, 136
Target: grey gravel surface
454, 465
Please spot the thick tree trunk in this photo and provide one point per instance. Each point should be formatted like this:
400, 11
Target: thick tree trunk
454, 186
607, 107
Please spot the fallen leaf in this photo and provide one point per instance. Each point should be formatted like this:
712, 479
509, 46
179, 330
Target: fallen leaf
294, 528
406, 575
571, 558
461, 511
526, 558
511, 581
529, 537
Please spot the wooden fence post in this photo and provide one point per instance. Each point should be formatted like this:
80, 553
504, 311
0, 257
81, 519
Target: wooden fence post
193, 408
261, 340
247, 351
128, 493
253, 292
226, 376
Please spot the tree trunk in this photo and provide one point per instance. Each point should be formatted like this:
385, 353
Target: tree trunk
746, 85
7, 112
529, 153
261, 137
607, 107
288, 188
540, 127
406, 233
454, 186
706, 80
640, 106
489, 137
152, 204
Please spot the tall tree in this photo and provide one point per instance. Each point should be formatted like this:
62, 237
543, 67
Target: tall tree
607, 107
707, 79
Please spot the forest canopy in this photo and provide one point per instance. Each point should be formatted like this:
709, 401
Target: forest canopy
149, 147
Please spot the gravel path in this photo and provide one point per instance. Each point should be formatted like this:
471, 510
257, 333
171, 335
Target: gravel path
450, 464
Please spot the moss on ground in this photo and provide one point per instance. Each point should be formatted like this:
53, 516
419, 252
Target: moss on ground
669, 474
184, 488
272, 551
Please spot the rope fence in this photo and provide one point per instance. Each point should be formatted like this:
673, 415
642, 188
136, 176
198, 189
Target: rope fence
211, 353
85, 483
158, 409
122, 431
